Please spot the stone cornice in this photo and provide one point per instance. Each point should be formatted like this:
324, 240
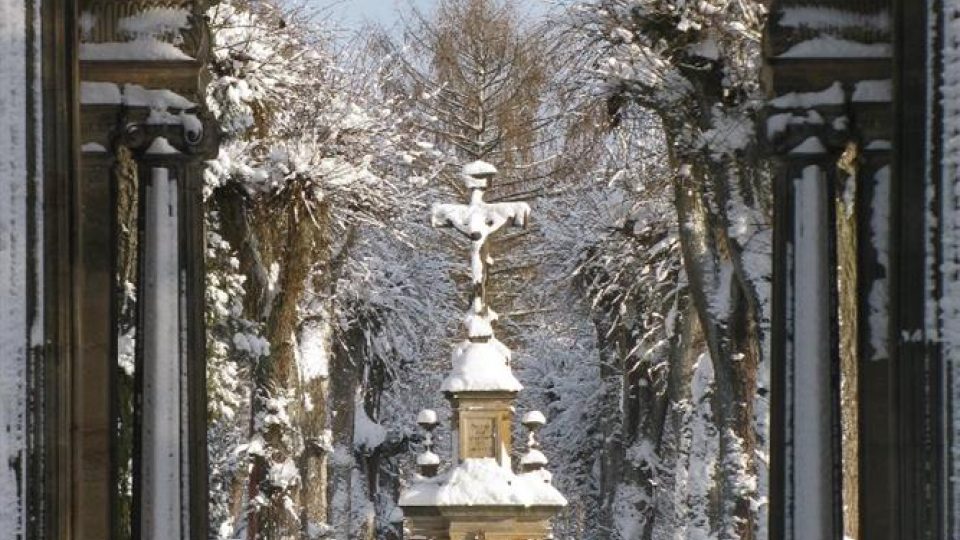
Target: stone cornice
185, 77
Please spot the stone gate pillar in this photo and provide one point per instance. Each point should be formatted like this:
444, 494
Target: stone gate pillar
142, 77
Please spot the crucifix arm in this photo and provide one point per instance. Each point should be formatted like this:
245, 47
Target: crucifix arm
450, 215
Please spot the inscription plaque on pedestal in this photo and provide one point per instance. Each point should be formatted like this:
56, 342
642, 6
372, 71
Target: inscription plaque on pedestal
479, 438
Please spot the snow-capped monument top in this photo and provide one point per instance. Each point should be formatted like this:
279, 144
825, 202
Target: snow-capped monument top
482, 487
481, 366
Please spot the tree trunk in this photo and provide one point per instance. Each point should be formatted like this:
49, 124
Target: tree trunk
313, 462
722, 297
344, 384
313, 418
277, 375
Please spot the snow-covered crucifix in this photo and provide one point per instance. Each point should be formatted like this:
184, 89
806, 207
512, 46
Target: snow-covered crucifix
478, 220
482, 493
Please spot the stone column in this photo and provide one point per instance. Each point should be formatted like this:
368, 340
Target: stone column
161, 398
171, 474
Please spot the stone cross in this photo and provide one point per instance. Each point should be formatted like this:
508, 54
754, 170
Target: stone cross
478, 220
481, 495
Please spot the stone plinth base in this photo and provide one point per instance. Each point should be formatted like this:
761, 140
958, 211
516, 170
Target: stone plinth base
478, 522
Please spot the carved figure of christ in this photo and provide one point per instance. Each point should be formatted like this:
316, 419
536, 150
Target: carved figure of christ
477, 220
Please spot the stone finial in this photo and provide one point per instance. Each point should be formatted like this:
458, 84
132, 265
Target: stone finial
533, 459
533, 420
427, 461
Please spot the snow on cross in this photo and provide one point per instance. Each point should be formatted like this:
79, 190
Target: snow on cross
478, 220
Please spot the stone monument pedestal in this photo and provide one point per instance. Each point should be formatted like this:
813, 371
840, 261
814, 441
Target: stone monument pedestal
482, 423
479, 522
